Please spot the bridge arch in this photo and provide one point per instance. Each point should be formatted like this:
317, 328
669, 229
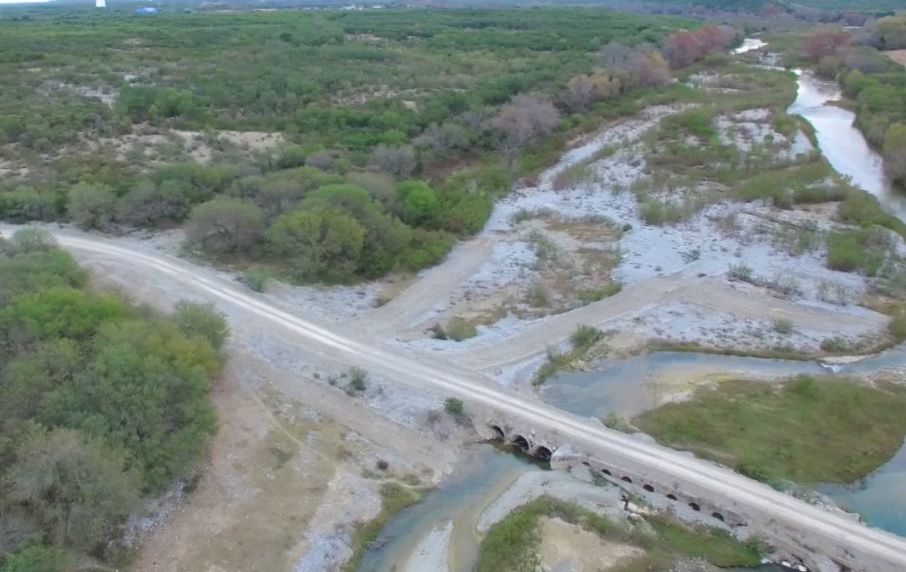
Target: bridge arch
499, 433
607, 472
648, 488
626, 479
522, 443
718, 516
694, 506
542, 452
671, 496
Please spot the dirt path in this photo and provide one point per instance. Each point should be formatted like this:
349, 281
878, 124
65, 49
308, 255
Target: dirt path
709, 294
434, 285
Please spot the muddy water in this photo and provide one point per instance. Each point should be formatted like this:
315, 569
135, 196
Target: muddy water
842, 143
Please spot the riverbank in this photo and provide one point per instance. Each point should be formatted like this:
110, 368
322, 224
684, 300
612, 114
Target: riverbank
652, 542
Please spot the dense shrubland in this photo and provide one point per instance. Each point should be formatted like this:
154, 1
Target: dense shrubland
101, 404
397, 144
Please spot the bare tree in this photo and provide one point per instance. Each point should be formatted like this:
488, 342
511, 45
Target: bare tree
397, 161
521, 121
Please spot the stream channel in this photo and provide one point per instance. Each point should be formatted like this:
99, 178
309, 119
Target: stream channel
623, 386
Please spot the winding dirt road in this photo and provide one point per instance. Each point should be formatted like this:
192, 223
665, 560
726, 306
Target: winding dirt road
871, 549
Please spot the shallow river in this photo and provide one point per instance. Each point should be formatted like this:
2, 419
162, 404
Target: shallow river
622, 386
842, 143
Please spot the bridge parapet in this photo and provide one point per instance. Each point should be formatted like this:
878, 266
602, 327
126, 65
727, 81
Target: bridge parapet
646, 482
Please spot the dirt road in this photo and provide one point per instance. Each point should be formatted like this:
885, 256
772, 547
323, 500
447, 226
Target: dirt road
878, 550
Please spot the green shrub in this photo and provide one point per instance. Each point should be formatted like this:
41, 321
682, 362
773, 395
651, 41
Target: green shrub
855, 250
454, 406
898, 324
256, 279
586, 336
357, 379
783, 326
460, 329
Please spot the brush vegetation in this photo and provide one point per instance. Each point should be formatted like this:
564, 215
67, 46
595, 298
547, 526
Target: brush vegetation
512, 543
782, 432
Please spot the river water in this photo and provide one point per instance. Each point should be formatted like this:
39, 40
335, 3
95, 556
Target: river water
842, 143
623, 386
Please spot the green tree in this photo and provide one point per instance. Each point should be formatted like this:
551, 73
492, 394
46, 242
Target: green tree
144, 390
202, 320
78, 488
39, 558
420, 204
26, 240
91, 206
321, 243
895, 151
57, 313
225, 226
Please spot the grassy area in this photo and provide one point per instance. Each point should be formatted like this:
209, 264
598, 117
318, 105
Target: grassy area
394, 498
511, 544
583, 340
776, 432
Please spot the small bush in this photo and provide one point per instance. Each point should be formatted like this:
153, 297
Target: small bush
357, 378
898, 324
586, 336
835, 345
459, 329
855, 250
594, 294
537, 296
454, 406
741, 272
256, 279
783, 326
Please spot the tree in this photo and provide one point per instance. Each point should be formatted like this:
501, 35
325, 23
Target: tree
895, 151
225, 226
39, 558
823, 44
649, 69
322, 243
77, 488
521, 121
154, 205
145, 391
202, 320
57, 312
91, 206
397, 161
420, 204
27, 240
584, 90
685, 47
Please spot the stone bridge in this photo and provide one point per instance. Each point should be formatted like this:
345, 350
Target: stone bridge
662, 489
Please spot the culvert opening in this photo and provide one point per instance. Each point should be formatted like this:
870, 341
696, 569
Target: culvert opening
522, 443
543, 453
